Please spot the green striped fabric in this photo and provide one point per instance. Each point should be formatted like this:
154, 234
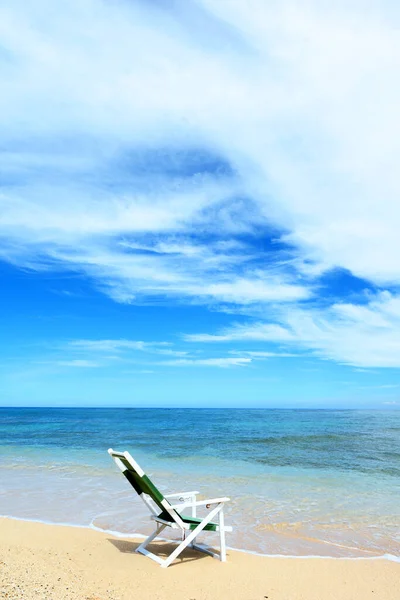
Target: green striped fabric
192, 521
142, 485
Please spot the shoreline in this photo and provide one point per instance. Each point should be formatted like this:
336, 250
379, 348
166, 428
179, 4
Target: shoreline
79, 563
140, 536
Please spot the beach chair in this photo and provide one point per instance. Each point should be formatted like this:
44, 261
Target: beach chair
166, 514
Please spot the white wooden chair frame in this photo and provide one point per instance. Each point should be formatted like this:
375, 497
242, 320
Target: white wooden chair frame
155, 501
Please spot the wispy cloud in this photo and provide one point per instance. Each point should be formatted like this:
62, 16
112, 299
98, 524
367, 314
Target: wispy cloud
79, 363
122, 345
269, 159
362, 336
260, 354
222, 362
96, 353
260, 332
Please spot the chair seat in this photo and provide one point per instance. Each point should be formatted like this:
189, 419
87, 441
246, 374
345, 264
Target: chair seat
191, 521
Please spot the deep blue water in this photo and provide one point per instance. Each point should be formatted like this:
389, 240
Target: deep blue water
294, 475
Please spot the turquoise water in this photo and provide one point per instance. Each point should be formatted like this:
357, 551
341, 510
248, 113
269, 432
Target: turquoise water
302, 482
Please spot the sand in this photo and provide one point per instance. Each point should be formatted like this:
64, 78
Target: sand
55, 562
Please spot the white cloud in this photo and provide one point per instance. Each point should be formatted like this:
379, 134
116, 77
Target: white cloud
124, 347
96, 353
247, 291
80, 363
262, 332
223, 362
331, 151
260, 354
362, 336
109, 112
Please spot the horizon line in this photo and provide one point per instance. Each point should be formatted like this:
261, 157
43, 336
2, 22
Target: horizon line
388, 408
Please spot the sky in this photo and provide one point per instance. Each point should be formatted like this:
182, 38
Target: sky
199, 203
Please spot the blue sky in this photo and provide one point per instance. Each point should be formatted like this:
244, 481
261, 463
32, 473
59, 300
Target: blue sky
199, 203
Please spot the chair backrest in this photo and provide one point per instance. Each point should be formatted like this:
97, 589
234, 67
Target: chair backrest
143, 486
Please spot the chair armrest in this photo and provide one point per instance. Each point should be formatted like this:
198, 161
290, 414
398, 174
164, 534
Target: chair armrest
202, 502
182, 496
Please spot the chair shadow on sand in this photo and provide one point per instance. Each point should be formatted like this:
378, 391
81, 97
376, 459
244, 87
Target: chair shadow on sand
162, 549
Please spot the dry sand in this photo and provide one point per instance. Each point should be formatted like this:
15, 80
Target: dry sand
54, 562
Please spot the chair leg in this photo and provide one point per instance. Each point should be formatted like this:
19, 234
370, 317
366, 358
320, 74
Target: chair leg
222, 536
144, 544
190, 537
176, 552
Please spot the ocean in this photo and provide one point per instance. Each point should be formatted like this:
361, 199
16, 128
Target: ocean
301, 482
